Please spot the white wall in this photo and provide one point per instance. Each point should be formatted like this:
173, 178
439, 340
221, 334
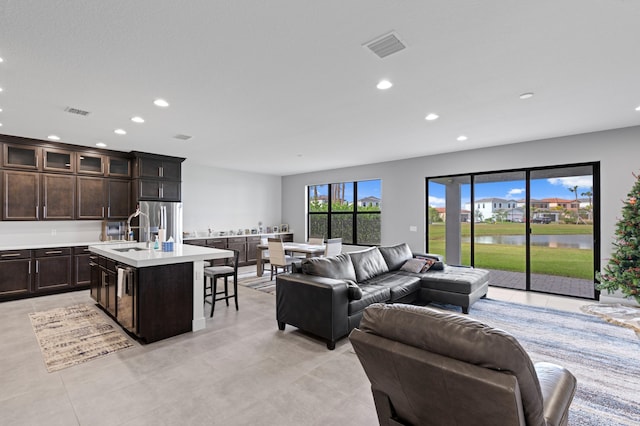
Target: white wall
227, 199
403, 182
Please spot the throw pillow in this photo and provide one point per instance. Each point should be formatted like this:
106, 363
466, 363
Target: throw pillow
438, 264
354, 292
413, 265
429, 263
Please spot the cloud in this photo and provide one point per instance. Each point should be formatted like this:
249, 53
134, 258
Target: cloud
436, 202
571, 181
515, 191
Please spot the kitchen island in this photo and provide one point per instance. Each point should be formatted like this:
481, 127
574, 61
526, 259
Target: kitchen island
152, 294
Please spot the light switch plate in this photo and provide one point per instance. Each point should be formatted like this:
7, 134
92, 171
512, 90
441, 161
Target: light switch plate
413, 228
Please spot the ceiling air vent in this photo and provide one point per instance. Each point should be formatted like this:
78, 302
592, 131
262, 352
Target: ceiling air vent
76, 111
182, 137
385, 45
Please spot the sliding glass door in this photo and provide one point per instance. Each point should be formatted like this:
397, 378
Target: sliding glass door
532, 228
561, 236
500, 227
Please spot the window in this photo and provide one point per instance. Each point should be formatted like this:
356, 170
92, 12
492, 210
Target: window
347, 210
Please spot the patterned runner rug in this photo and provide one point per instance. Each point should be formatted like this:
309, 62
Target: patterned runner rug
263, 283
76, 334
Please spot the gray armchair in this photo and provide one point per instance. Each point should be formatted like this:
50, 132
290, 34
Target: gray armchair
427, 367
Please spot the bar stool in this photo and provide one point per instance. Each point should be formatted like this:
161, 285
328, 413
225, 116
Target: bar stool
215, 272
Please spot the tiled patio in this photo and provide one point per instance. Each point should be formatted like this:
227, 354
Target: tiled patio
544, 283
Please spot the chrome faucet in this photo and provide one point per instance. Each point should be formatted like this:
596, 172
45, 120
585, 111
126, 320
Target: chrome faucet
137, 213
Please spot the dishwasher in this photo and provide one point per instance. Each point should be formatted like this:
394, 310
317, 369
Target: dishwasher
127, 289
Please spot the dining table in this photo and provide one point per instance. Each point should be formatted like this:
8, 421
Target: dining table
309, 250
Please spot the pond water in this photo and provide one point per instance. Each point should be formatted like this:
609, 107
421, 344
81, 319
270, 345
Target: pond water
582, 242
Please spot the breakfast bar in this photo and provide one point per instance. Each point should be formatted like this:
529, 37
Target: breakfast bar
153, 294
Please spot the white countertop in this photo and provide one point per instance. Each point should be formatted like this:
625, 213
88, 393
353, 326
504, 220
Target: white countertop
148, 257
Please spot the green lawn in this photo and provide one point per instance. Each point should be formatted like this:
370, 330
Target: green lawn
565, 262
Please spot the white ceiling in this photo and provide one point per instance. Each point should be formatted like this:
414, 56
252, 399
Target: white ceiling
284, 87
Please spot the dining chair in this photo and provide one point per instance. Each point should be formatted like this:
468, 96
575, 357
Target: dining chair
277, 256
265, 253
333, 247
316, 241
226, 271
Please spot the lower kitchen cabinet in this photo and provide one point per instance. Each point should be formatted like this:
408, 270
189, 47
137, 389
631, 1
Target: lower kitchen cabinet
35, 272
15, 273
52, 269
246, 245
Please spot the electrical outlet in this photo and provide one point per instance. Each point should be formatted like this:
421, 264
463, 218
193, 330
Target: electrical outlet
413, 228
54, 232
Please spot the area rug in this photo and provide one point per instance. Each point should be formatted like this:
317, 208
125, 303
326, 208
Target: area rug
615, 313
604, 358
76, 334
263, 283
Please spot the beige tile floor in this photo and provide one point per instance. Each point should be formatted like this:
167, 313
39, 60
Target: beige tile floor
241, 370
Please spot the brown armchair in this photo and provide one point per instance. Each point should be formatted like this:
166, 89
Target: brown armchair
427, 367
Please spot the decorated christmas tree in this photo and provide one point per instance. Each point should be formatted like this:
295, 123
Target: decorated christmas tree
623, 270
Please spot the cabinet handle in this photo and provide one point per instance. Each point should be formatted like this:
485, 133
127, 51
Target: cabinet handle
44, 211
29, 267
37, 208
53, 252
37, 266
10, 255
161, 171
109, 211
102, 211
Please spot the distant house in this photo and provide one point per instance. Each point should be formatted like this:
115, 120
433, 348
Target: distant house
369, 202
465, 215
562, 203
321, 199
496, 208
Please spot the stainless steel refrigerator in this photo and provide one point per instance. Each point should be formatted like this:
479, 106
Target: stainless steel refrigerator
157, 215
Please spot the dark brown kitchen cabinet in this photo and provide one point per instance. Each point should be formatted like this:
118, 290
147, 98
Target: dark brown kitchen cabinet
118, 198
15, 273
252, 249
21, 195
25, 157
58, 197
91, 192
81, 266
58, 160
119, 166
96, 277
158, 190
103, 282
240, 244
52, 269
90, 163
157, 167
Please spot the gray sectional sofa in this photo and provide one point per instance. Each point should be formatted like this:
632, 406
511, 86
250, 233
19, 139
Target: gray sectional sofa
327, 296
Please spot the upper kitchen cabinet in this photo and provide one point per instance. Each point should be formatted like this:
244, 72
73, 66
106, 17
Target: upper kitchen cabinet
21, 195
100, 198
157, 177
157, 166
119, 166
58, 160
25, 157
90, 163
58, 197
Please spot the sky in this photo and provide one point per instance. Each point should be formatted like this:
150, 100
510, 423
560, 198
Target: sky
515, 190
366, 188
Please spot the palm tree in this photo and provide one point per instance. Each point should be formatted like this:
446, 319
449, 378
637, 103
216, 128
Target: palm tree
575, 191
590, 195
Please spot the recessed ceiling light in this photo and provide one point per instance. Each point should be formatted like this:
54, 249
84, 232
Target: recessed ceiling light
137, 119
431, 117
526, 95
120, 132
101, 144
0, 109
1, 60
0, 124
53, 137
637, 108
1, 89
462, 138
161, 103
384, 84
